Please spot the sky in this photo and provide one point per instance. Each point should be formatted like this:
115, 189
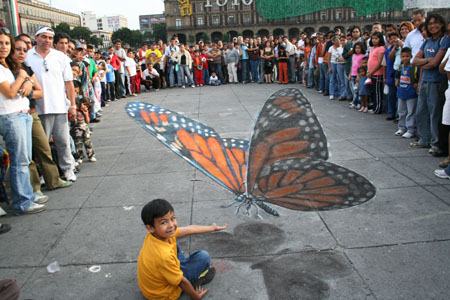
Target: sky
129, 8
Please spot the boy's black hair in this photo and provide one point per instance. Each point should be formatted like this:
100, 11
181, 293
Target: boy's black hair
406, 50
74, 64
59, 36
362, 68
86, 101
395, 33
155, 209
89, 46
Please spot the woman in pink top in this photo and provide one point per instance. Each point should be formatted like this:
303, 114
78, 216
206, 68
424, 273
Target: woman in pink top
358, 54
375, 70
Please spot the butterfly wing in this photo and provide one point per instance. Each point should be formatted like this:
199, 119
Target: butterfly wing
237, 152
306, 184
286, 128
195, 142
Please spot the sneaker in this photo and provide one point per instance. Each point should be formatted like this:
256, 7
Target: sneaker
358, 106
441, 174
79, 161
444, 164
69, 175
40, 198
320, 92
184, 86
418, 145
92, 159
4, 228
371, 111
435, 151
34, 209
408, 135
331, 97
156, 90
193, 86
399, 132
63, 183
351, 105
206, 277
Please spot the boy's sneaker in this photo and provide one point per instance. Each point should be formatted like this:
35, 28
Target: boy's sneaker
40, 198
34, 209
358, 106
184, 86
435, 151
331, 97
407, 135
441, 174
444, 164
92, 159
193, 86
399, 132
206, 277
351, 105
70, 175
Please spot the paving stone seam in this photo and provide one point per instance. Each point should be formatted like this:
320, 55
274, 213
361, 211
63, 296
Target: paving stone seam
361, 277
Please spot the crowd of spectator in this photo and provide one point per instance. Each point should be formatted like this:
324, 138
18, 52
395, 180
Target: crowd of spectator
53, 88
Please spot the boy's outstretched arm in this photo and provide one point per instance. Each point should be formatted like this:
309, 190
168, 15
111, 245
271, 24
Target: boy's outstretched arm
196, 229
194, 294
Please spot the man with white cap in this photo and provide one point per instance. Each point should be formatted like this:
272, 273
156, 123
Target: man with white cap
54, 73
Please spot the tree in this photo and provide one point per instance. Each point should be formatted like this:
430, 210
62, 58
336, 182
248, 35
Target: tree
191, 39
62, 27
205, 38
96, 41
123, 34
160, 32
147, 36
226, 38
81, 33
136, 38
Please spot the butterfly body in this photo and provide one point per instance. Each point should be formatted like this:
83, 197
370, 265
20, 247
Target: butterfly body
283, 164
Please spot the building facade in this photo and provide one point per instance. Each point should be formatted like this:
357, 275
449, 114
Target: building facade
111, 23
222, 19
146, 22
89, 20
34, 14
105, 36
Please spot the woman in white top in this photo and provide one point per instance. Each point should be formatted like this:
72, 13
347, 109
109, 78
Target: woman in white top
15, 127
334, 54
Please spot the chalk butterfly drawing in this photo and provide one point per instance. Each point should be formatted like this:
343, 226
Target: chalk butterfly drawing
283, 164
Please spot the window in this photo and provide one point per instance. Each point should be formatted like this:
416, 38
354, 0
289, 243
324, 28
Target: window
308, 17
323, 15
215, 20
178, 23
338, 14
176, 9
200, 21
383, 14
230, 20
215, 6
353, 14
198, 7
246, 18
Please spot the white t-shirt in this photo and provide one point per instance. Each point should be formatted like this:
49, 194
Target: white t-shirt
414, 41
213, 79
121, 53
8, 106
131, 64
335, 54
446, 110
301, 43
152, 75
103, 79
52, 73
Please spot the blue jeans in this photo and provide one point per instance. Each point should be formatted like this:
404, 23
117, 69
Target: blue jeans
392, 100
291, 68
341, 79
254, 69
122, 84
310, 82
428, 113
182, 72
195, 265
171, 70
334, 80
206, 76
325, 76
261, 70
15, 129
244, 64
348, 92
215, 83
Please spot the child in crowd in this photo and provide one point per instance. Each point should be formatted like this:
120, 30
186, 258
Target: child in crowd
110, 81
102, 70
198, 68
204, 57
358, 55
214, 80
363, 89
376, 71
131, 66
80, 132
406, 82
163, 271
150, 77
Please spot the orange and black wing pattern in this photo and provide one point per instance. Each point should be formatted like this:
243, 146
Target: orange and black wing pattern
195, 142
310, 185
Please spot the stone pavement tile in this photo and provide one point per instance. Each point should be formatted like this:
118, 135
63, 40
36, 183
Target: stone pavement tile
21, 275
113, 281
364, 144
140, 189
32, 237
228, 122
144, 144
424, 165
247, 236
439, 191
346, 150
395, 147
230, 105
375, 131
407, 171
104, 145
207, 189
118, 235
414, 271
376, 171
73, 196
151, 162
100, 168
187, 106
125, 131
394, 216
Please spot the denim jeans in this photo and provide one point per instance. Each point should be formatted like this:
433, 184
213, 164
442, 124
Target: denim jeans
254, 70
15, 128
261, 70
334, 80
428, 113
195, 265
171, 70
392, 101
348, 92
205, 76
341, 79
355, 97
291, 68
244, 64
122, 84
406, 115
310, 77
325, 78
182, 72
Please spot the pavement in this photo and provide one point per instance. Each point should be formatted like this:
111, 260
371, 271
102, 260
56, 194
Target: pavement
396, 246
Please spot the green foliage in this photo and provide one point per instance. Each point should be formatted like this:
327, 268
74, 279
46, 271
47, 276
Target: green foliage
96, 41
81, 33
205, 38
147, 36
160, 32
191, 39
62, 27
123, 34
226, 38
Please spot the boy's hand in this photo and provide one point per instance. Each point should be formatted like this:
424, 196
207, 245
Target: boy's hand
201, 292
218, 228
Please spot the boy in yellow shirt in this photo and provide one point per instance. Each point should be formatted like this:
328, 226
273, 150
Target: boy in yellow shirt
163, 270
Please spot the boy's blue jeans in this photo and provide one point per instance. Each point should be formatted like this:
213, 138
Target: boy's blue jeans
195, 265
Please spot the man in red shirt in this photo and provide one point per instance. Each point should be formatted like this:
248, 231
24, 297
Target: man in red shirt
115, 63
